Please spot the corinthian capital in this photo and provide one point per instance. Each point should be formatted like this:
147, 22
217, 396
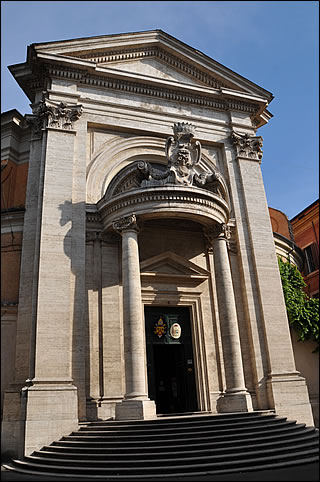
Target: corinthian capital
126, 223
36, 124
218, 231
60, 116
247, 146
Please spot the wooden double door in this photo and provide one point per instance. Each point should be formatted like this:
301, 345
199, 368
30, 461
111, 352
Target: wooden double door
171, 374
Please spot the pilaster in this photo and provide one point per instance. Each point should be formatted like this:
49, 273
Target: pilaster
48, 403
13, 417
105, 370
287, 390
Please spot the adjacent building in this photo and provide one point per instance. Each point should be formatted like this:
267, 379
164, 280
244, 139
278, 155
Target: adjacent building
149, 281
284, 233
305, 226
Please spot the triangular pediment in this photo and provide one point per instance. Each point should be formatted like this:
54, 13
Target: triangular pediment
153, 54
171, 264
152, 67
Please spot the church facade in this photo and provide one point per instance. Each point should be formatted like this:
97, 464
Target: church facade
149, 282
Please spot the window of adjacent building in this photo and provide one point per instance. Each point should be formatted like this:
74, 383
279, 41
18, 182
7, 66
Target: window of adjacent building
311, 258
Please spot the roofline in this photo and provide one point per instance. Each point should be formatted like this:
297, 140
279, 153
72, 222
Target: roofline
98, 36
161, 32
305, 209
275, 209
13, 111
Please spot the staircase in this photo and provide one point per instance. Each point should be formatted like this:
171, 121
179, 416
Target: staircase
175, 447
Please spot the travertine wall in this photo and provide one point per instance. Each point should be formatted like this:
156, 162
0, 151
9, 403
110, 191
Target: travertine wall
76, 295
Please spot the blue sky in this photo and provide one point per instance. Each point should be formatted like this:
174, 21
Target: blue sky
272, 43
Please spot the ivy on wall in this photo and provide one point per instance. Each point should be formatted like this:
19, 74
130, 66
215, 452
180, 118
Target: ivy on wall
303, 312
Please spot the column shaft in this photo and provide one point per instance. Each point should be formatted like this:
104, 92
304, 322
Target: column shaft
133, 318
228, 316
136, 404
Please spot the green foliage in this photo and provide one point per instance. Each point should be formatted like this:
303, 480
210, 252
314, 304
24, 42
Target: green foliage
303, 312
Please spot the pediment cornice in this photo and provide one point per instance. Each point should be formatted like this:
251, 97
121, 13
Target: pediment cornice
170, 266
125, 55
169, 90
91, 62
157, 43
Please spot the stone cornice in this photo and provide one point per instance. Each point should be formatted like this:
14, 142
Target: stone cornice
170, 91
288, 250
93, 220
217, 95
12, 220
192, 202
174, 51
101, 237
103, 57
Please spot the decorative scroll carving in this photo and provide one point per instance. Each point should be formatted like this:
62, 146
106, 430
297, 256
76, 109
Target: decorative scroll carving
50, 114
154, 176
126, 222
213, 181
183, 154
232, 241
248, 146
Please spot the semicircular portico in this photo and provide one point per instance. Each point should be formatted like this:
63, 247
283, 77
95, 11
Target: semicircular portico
191, 203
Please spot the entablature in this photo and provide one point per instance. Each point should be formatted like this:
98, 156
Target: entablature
201, 80
192, 203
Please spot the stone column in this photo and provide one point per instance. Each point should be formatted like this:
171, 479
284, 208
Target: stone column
236, 397
136, 404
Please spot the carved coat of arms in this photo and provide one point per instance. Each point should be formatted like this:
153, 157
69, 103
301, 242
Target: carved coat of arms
182, 153
160, 327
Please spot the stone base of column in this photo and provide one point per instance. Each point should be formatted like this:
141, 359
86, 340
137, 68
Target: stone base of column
235, 402
12, 426
136, 410
40, 414
290, 397
101, 408
51, 411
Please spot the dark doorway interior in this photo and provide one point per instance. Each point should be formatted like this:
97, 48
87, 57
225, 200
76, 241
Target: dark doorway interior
171, 379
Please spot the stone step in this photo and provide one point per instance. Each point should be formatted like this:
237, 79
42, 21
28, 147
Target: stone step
174, 449
190, 425
171, 460
96, 454
149, 445
306, 462
202, 467
178, 421
169, 438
